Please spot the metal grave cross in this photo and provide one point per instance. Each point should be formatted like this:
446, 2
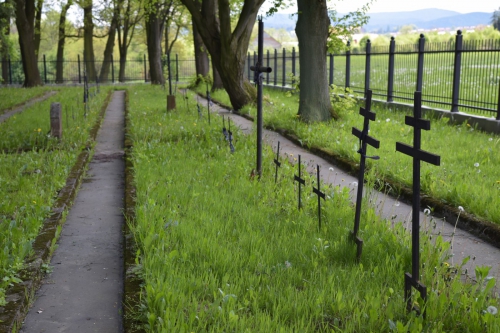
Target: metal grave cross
301, 182
412, 280
200, 115
277, 162
230, 136
364, 140
320, 195
224, 130
259, 69
209, 101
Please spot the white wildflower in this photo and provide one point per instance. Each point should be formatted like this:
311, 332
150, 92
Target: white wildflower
354, 184
388, 120
490, 139
331, 169
476, 165
427, 211
491, 309
460, 208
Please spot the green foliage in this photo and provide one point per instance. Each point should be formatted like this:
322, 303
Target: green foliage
344, 26
31, 180
215, 258
495, 19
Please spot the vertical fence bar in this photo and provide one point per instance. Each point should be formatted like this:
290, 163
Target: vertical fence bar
112, 70
498, 104
367, 65
10, 71
249, 64
79, 71
348, 66
267, 64
457, 65
284, 67
330, 82
145, 72
293, 66
390, 78
176, 67
420, 64
275, 67
44, 69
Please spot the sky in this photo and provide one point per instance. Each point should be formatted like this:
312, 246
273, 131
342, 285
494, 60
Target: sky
379, 6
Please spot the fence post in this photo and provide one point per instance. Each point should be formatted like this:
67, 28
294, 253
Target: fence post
275, 67
390, 79
112, 70
10, 71
176, 67
44, 69
420, 68
267, 64
456, 71
293, 66
498, 105
249, 64
284, 67
348, 66
145, 73
79, 71
331, 69
367, 65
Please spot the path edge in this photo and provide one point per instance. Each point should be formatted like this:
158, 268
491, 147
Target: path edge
19, 297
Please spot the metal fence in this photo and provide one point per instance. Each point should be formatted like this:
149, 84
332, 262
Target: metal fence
136, 70
456, 76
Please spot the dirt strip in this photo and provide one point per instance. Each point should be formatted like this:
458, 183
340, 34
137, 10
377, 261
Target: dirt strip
464, 244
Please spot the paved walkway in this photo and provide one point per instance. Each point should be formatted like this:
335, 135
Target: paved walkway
83, 294
464, 244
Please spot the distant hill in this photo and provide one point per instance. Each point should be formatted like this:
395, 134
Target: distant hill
386, 22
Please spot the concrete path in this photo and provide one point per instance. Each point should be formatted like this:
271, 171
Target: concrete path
464, 244
83, 294
8, 114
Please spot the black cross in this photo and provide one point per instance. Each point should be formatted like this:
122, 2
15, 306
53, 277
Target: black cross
364, 140
320, 195
199, 110
208, 104
412, 280
224, 130
230, 136
301, 182
277, 162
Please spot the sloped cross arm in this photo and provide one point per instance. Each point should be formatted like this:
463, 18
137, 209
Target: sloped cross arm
365, 137
418, 154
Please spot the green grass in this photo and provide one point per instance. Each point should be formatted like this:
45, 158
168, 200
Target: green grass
457, 181
31, 180
11, 97
219, 251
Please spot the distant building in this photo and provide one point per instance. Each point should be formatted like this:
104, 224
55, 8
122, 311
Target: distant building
269, 43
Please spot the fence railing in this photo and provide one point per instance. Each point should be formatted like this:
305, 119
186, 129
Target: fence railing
136, 70
456, 76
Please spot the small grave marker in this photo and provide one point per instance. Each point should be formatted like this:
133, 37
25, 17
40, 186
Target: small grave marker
277, 162
56, 120
412, 280
320, 195
230, 136
209, 101
364, 140
301, 182
224, 130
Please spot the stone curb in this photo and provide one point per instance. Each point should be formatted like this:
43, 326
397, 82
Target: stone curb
19, 296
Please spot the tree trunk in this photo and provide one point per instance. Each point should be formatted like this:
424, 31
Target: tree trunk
154, 30
312, 32
217, 84
110, 44
60, 43
4, 45
38, 29
226, 45
25, 15
88, 42
200, 55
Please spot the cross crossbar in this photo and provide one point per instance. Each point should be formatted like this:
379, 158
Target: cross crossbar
364, 137
277, 162
418, 154
301, 182
320, 195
